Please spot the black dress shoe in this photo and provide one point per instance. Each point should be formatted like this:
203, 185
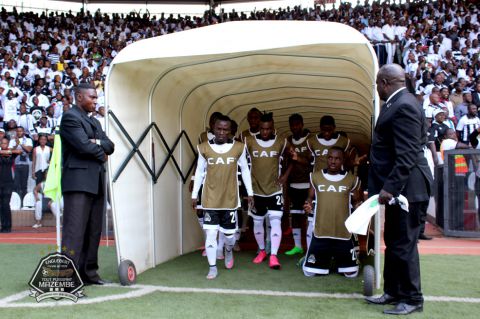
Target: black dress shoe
424, 237
99, 281
384, 299
403, 309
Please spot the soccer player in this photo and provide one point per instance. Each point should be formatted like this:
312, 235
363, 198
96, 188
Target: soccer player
253, 119
218, 160
265, 151
336, 190
298, 180
320, 143
205, 136
208, 134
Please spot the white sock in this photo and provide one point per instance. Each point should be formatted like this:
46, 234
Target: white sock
229, 242
297, 237
211, 246
308, 274
237, 232
200, 222
221, 242
276, 234
268, 228
309, 233
259, 233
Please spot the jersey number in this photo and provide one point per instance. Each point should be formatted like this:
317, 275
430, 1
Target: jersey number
232, 215
279, 200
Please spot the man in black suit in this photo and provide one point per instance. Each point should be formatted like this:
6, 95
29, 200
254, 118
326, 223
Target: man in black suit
85, 150
398, 166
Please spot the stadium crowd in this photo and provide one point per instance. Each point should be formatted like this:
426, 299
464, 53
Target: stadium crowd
44, 56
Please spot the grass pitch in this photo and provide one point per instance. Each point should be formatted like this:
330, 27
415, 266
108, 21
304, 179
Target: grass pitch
452, 276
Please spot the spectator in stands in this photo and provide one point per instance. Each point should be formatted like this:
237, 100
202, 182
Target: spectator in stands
41, 158
476, 95
438, 130
456, 96
42, 128
100, 116
445, 101
26, 120
11, 129
7, 158
462, 109
467, 124
43, 204
432, 106
10, 107
43, 100
22, 162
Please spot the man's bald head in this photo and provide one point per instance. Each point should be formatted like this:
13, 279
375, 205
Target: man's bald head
390, 78
392, 73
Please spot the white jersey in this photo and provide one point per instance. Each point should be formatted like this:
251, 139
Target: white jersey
42, 158
466, 126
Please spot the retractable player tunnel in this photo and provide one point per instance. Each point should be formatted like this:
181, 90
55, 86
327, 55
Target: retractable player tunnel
161, 91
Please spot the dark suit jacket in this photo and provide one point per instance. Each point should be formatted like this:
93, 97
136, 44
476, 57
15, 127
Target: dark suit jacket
397, 161
82, 162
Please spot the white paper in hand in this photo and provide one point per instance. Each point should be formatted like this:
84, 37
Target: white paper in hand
358, 222
400, 200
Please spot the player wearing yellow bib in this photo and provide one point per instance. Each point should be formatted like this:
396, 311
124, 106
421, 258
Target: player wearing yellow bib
265, 151
319, 144
205, 136
253, 119
335, 192
298, 181
218, 160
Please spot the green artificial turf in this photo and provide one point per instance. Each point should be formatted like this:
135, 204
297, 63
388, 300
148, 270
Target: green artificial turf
454, 276
18, 263
209, 306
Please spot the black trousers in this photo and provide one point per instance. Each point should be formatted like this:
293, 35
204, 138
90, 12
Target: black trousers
39, 176
82, 228
381, 53
402, 265
5, 212
21, 180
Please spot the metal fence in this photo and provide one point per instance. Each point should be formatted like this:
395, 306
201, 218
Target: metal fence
458, 193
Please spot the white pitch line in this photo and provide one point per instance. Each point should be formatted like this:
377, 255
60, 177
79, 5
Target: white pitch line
14, 297
84, 301
142, 290
249, 292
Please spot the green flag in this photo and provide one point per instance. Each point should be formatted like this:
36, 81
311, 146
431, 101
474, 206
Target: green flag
53, 185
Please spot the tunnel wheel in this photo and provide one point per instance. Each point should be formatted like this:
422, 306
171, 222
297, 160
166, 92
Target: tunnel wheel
127, 273
368, 280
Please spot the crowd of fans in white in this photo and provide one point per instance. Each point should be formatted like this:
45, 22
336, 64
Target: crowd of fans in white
43, 57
